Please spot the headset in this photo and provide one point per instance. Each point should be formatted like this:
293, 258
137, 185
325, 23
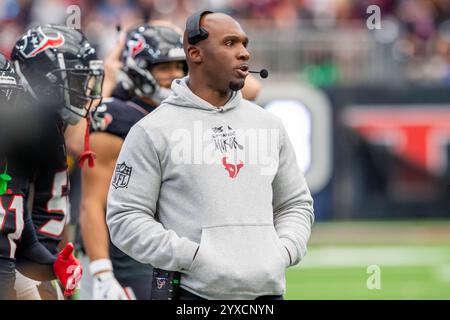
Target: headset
196, 33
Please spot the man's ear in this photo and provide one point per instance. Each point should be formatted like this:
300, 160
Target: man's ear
195, 54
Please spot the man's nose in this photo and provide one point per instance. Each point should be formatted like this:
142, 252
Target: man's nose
244, 54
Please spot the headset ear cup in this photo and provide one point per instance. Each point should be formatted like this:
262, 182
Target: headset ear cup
194, 31
203, 33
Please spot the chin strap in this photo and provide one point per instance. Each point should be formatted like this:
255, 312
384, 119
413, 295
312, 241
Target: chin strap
4, 179
87, 154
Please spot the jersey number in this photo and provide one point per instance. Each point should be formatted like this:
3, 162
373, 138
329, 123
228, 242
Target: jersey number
58, 203
12, 226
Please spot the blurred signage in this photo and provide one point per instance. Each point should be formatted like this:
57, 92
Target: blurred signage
419, 135
306, 115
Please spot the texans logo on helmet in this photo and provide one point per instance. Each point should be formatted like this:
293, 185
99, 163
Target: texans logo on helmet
36, 42
136, 46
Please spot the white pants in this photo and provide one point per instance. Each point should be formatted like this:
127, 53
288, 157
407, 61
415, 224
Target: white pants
26, 288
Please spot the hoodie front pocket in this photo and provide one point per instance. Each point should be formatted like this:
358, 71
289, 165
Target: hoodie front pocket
282, 249
238, 259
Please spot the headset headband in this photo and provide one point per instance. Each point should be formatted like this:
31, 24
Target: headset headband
196, 33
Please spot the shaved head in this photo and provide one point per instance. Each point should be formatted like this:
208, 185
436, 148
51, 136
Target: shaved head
218, 62
214, 22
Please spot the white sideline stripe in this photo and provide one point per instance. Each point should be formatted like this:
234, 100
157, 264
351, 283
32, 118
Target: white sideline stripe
381, 256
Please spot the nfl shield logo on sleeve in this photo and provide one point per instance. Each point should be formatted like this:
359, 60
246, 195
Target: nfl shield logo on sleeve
121, 176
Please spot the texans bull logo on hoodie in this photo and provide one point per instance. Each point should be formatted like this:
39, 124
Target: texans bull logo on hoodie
225, 140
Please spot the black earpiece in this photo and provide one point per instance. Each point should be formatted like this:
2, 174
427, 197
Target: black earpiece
196, 33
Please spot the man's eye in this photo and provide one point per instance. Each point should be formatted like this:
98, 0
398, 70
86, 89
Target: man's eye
229, 43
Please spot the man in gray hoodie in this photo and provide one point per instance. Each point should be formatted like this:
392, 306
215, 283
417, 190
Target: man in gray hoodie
208, 183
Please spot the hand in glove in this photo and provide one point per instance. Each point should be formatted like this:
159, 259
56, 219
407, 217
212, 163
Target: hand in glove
106, 287
68, 269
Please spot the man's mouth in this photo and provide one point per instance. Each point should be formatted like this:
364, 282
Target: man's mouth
242, 70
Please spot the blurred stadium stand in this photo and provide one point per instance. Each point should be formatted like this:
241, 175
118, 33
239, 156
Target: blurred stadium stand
296, 38
323, 45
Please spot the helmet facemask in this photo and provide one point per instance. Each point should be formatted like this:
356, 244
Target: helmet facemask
145, 47
11, 113
137, 76
9, 91
81, 88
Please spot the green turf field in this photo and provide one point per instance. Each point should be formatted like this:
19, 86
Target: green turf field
413, 260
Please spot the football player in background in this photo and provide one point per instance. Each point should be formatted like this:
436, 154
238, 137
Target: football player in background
17, 233
152, 57
63, 79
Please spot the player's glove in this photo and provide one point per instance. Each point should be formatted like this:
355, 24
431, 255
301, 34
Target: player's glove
68, 269
106, 287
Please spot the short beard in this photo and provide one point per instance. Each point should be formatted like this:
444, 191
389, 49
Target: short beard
236, 86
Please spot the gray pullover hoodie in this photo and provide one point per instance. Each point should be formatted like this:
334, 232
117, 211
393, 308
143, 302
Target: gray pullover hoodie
223, 181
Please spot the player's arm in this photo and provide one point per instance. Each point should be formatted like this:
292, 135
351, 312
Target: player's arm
292, 203
33, 259
36, 262
95, 185
74, 137
112, 67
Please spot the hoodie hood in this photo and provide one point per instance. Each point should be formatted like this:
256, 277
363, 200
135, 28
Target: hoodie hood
182, 96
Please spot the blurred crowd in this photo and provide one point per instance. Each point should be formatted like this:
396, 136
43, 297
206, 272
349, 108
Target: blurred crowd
418, 31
